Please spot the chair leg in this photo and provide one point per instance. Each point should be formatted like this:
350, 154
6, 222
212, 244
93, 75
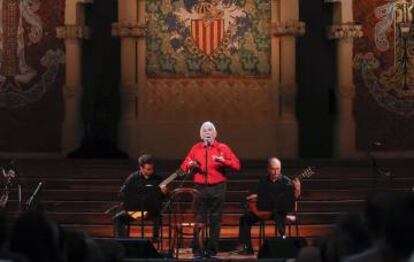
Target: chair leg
262, 232
173, 244
177, 242
297, 227
289, 230
198, 235
129, 229
181, 240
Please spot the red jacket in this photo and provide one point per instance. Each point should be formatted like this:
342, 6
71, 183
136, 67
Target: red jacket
215, 170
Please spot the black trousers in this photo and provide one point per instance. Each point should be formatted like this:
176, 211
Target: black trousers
249, 219
210, 210
122, 220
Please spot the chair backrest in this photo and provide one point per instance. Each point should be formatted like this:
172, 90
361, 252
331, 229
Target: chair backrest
183, 203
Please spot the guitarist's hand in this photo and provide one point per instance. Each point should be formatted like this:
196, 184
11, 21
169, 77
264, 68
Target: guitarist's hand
193, 164
250, 197
164, 189
296, 186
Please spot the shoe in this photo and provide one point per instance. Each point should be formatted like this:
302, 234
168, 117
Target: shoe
246, 251
155, 239
211, 253
197, 254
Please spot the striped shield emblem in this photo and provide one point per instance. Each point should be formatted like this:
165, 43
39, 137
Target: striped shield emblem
207, 36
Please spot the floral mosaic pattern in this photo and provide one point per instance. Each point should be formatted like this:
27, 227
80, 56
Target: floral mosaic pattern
384, 74
208, 38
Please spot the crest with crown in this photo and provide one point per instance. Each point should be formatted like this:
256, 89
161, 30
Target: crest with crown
207, 31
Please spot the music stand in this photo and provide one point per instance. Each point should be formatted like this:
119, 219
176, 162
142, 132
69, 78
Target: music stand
150, 203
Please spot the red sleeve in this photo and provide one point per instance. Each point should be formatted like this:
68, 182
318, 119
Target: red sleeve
230, 159
185, 165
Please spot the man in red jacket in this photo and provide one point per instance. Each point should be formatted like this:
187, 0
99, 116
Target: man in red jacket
209, 160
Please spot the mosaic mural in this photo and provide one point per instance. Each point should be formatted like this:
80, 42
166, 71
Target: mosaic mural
30, 54
208, 38
31, 75
384, 73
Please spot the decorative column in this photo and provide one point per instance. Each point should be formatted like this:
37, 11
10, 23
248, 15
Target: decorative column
129, 30
73, 32
141, 76
344, 31
285, 29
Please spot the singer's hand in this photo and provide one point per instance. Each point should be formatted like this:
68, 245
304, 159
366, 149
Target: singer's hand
218, 158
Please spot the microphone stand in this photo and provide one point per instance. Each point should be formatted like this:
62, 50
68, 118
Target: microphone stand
19, 197
33, 196
142, 218
374, 171
206, 229
19, 173
377, 172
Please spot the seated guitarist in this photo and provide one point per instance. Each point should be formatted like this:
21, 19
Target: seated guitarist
141, 192
271, 198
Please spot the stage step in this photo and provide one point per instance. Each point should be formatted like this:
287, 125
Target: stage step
238, 184
230, 207
76, 193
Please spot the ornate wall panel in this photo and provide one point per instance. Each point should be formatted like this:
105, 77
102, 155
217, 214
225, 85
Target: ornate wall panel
31, 75
212, 37
230, 101
384, 74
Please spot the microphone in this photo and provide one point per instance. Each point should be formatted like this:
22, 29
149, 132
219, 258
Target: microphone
207, 141
30, 200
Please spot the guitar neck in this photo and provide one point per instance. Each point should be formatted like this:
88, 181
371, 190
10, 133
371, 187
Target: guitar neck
169, 179
308, 172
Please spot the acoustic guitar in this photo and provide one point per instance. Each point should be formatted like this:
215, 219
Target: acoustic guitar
252, 203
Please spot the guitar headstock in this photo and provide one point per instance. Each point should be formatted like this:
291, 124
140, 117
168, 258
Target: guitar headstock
307, 172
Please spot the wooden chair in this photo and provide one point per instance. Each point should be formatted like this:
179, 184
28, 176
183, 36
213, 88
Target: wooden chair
183, 219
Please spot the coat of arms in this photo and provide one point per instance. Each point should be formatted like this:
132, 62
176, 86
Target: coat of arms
208, 37
211, 22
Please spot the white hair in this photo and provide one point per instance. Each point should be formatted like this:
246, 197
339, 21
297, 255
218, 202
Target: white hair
209, 125
274, 159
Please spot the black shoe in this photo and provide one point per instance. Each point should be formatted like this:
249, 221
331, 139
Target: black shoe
246, 251
155, 239
197, 254
211, 253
